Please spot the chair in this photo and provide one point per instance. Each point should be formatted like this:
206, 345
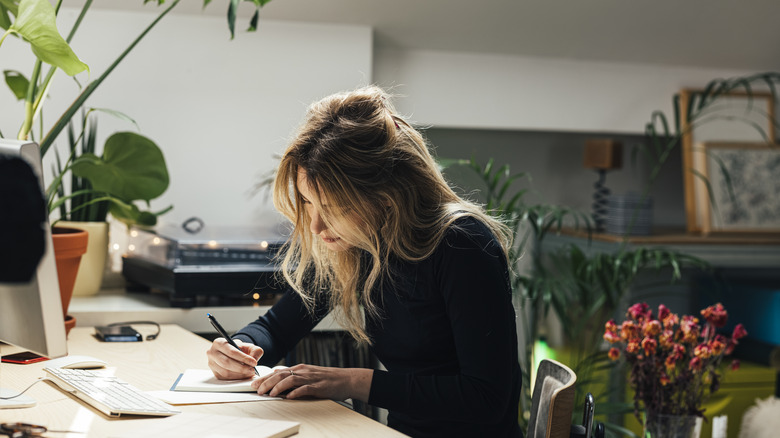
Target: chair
553, 401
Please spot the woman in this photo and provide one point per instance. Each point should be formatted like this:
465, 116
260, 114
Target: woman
406, 265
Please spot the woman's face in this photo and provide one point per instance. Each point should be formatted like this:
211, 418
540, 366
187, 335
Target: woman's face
330, 236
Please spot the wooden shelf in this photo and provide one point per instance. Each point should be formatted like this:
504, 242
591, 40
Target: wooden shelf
739, 251
673, 236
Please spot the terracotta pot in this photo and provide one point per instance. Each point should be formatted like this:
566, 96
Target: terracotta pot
93, 263
69, 245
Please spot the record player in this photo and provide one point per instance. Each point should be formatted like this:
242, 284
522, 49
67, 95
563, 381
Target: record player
216, 265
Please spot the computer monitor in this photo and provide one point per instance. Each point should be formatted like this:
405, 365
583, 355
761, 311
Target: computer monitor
31, 311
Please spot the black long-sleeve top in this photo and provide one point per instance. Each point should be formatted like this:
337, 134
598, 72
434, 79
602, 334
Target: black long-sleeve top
447, 337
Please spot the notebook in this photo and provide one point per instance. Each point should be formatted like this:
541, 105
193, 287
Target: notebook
200, 380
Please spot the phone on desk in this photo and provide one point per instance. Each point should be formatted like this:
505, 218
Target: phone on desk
117, 333
24, 357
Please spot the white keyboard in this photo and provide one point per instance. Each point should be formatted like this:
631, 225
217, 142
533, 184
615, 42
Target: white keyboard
108, 394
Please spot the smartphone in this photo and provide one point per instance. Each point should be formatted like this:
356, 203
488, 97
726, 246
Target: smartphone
117, 333
24, 357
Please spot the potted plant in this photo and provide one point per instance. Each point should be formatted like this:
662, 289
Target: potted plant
34, 21
131, 168
581, 291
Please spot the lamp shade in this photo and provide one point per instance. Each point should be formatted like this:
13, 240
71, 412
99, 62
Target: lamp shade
603, 154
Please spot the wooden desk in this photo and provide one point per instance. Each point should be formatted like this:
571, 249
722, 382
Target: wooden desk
154, 365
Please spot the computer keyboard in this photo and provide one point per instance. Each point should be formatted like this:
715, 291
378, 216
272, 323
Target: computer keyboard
108, 394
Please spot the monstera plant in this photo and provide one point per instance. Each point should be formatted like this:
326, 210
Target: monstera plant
131, 168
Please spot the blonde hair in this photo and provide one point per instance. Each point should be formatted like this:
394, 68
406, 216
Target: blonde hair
375, 169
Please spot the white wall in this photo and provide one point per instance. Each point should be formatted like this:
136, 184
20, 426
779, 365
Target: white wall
219, 109
447, 89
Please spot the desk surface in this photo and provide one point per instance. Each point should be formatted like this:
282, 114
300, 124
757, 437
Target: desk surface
154, 365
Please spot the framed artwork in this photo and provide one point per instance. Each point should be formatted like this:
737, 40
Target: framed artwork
744, 188
734, 119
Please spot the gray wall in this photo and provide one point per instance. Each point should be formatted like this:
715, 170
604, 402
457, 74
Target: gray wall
554, 162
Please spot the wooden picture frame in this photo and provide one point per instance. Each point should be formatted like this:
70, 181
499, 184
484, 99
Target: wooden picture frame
743, 183
739, 116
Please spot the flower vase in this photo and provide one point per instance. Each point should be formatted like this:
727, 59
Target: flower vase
672, 426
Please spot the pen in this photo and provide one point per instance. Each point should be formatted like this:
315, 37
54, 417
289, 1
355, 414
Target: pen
224, 334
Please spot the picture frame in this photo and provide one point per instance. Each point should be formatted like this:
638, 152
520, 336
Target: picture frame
737, 118
741, 179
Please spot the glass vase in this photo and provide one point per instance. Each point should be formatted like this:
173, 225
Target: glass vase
672, 426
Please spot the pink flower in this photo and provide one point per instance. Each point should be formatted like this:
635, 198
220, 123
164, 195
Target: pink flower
718, 345
663, 312
638, 311
611, 337
671, 320
664, 379
633, 346
666, 340
715, 315
690, 329
610, 326
696, 364
629, 331
702, 351
739, 332
613, 353
651, 328
649, 345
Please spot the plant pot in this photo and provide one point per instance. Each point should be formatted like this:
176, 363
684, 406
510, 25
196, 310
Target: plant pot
93, 263
69, 245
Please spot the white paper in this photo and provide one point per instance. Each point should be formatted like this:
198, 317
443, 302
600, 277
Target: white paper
204, 381
188, 425
196, 398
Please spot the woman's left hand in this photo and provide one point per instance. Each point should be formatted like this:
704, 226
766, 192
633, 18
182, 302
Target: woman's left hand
317, 382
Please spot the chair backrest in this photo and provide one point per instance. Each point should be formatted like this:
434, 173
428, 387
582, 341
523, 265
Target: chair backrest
553, 401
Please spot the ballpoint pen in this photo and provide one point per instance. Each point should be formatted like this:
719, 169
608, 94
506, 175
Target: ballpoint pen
224, 334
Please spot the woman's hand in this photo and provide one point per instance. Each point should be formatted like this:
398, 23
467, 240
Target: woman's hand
318, 382
227, 363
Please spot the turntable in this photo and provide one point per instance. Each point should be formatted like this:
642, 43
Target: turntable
208, 265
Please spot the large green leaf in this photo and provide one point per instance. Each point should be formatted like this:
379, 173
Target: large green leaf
17, 83
131, 214
7, 8
132, 168
37, 24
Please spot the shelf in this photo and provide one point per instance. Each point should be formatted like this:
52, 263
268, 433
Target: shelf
721, 250
117, 305
672, 236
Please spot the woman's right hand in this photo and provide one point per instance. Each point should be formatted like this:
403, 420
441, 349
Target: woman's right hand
227, 363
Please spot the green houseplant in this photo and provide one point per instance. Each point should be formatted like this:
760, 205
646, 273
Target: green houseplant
131, 166
584, 290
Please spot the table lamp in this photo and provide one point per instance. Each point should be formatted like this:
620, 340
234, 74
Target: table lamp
602, 155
